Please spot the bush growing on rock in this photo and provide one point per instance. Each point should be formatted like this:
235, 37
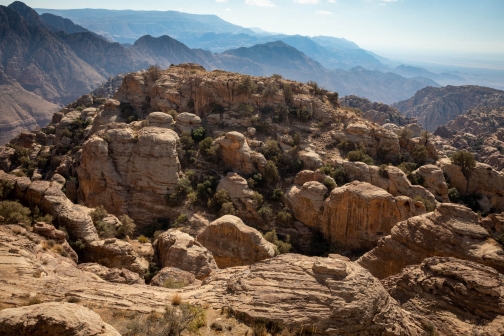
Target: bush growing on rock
280, 246
287, 91
420, 154
127, 228
247, 86
329, 183
15, 213
5, 189
154, 72
429, 206
105, 230
271, 172
218, 200
270, 90
454, 195
464, 160
405, 133
265, 212
339, 173
198, 134
360, 155
284, 217
407, 167
383, 171
227, 209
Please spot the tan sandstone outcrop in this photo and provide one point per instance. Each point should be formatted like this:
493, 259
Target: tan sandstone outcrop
130, 172
178, 249
395, 183
50, 232
450, 231
358, 214
482, 180
451, 294
434, 181
115, 275
53, 318
306, 202
51, 200
233, 243
241, 196
236, 153
175, 276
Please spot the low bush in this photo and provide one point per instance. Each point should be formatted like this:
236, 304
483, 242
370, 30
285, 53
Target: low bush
339, 173
360, 155
454, 195
383, 171
429, 206
14, 213
464, 160
127, 227
281, 246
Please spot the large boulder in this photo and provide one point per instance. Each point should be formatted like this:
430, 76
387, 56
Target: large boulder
53, 318
115, 253
187, 122
481, 180
130, 172
51, 233
450, 231
433, 181
236, 153
458, 297
358, 214
173, 277
233, 243
178, 249
241, 196
306, 202
115, 275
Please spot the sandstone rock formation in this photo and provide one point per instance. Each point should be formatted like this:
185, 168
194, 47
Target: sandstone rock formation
451, 295
358, 214
178, 249
241, 196
450, 231
233, 243
376, 112
175, 276
115, 275
50, 232
481, 180
236, 153
115, 253
187, 122
53, 318
130, 172
434, 181
306, 202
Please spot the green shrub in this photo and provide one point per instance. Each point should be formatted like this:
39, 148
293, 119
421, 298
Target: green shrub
429, 206
407, 167
271, 172
127, 227
186, 140
454, 195
339, 173
173, 283
143, 240
5, 189
280, 246
215, 203
315, 88
303, 114
287, 91
38, 217
181, 219
416, 179
247, 86
329, 183
360, 155
15, 213
464, 160
343, 144
270, 90
227, 209
276, 76
284, 217
154, 72
105, 230
258, 198
173, 113
271, 150
198, 134
265, 212
383, 171
277, 194
405, 133
420, 154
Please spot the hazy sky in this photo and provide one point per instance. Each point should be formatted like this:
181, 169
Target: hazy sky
400, 26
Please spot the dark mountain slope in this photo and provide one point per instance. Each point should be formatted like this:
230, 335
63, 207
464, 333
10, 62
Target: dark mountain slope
57, 23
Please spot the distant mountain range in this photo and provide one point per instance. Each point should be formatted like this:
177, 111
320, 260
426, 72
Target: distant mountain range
435, 107
58, 59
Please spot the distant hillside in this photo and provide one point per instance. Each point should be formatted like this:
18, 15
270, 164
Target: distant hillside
434, 107
126, 26
21, 110
411, 71
57, 23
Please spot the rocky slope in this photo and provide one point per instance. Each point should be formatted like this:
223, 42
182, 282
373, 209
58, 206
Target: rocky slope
435, 107
214, 191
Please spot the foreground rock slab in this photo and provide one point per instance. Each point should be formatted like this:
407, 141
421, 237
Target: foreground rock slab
53, 318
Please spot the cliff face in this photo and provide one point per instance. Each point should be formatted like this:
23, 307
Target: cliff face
435, 107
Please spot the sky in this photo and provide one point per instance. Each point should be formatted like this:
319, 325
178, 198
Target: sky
445, 28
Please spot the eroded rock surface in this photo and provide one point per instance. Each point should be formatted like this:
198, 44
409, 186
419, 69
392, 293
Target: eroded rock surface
233, 243
115, 275
178, 249
458, 297
236, 153
450, 231
53, 318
